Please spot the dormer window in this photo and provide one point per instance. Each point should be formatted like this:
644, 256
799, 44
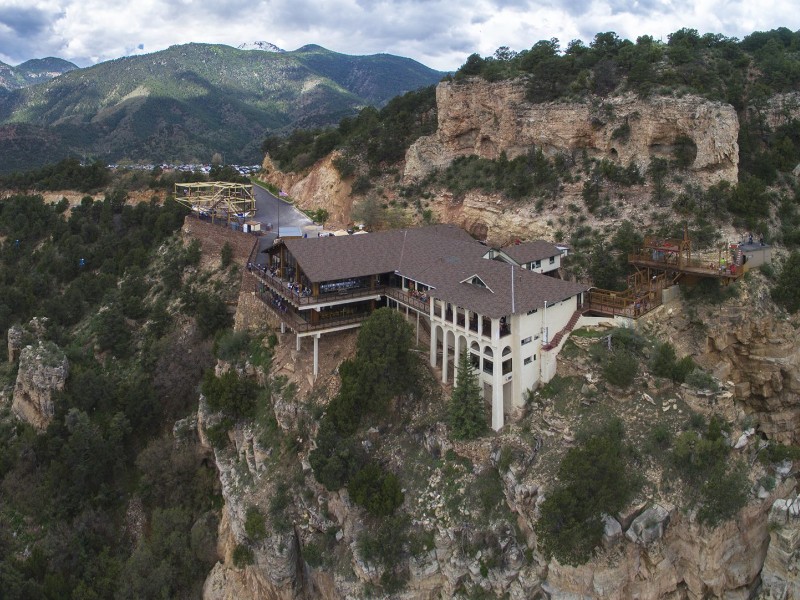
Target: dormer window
477, 281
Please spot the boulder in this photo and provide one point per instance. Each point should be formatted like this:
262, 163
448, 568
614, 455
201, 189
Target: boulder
649, 526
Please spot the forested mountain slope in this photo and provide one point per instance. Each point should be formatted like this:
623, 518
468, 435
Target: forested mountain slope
188, 102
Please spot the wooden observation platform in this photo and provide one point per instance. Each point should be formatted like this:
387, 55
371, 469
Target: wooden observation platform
662, 262
673, 257
217, 199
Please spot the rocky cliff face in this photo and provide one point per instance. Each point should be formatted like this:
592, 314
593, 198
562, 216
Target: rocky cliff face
321, 188
43, 371
486, 119
675, 558
760, 355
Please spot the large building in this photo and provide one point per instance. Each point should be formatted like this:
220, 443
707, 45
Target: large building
499, 305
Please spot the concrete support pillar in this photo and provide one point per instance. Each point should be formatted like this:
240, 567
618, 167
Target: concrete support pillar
480, 325
497, 396
433, 345
456, 356
444, 356
417, 329
316, 355
298, 342
283, 327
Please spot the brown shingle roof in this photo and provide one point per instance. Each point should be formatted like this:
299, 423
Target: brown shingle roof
530, 251
441, 256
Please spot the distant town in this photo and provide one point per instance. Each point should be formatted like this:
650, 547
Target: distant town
190, 168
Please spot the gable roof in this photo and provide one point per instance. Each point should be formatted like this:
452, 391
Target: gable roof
530, 251
442, 256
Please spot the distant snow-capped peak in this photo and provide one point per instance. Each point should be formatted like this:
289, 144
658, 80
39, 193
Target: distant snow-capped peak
265, 46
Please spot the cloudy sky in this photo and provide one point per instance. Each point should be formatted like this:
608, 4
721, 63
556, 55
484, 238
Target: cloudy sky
438, 33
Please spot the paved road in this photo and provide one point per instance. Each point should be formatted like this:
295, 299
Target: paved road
279, 213
276, 212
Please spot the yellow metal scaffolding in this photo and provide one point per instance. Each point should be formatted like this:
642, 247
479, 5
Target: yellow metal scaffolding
218, 199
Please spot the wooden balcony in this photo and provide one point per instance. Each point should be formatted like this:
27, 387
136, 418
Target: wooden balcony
690, 266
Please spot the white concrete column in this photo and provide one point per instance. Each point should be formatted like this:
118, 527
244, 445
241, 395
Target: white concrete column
283, 327
433, 344
480, 325
497, 395
456, 357
495, 331
298, 342
418, 329
316, 355
444, 356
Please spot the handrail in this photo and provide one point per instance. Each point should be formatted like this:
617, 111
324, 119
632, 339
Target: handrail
278, 285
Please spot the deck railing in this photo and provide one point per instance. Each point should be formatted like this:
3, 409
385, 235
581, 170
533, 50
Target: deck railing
698, 266
281, 286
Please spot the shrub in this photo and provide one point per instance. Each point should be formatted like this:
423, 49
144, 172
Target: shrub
226, 255
254, 525
242, 556
665, 364
230, 394
723, 494
335, 459
377, 491
313, 555
230, 345
776, 453
595, 480
787, 288
620, 368
700, 380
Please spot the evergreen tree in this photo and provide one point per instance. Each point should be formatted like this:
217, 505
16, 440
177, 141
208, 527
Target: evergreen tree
467, 420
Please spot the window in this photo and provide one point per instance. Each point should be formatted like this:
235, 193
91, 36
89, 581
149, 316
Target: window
529, 360
527, 340
537, 264
552, 260
530, 312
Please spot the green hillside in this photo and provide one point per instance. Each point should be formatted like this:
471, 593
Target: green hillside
185, 103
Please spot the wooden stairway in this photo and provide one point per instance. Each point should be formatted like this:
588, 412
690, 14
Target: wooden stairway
553, 343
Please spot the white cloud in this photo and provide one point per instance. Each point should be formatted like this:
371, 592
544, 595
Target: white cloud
438, 33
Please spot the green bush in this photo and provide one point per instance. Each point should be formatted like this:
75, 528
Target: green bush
776, 453
700, 380
723, 493
230, 394
382, 542
376, 490
664, 363
226, 255
242, 556
620, 368
313, 555
254, 525
595, 479
230, 345
786, 291
336, 458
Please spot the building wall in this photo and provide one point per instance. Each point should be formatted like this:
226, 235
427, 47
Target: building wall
527, 328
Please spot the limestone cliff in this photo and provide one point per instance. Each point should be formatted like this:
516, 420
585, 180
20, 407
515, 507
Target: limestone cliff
43, 371
485, 119
322, 187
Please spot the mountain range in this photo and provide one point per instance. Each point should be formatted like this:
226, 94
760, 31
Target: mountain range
188, 102
32, 72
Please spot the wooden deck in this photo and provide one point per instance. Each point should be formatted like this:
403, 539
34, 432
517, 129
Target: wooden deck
694, 266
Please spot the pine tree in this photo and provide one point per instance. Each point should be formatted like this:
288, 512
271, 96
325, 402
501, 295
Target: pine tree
466, 412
